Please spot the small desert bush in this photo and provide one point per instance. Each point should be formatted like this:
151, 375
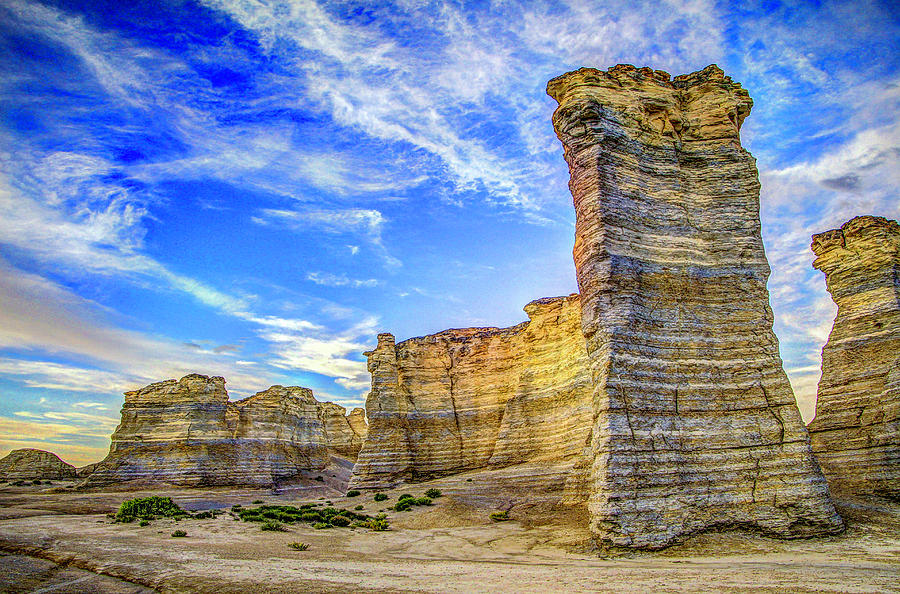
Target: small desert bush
311, 517
358, 507
35, 482
499, 516
353, 493
380, 497
299, 546
321, 526
340, 521
433, 493
273, 526
320, 478
406, 496
379, 523
144, 523
179, 534
257, 501
148, 508
403, 505
423, 501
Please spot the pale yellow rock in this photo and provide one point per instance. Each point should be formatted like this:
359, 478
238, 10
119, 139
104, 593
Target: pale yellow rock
30, 464
856, 431
695, 426
187, 432
477, 398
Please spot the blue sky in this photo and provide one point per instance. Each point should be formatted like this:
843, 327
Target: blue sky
256, 189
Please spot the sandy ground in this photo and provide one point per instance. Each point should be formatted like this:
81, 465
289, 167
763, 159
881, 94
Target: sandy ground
62, 541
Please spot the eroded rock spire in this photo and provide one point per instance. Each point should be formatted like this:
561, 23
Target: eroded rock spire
856, 431
695, 424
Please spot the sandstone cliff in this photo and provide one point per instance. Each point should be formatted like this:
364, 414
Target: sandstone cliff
187, 432
30, 464
477, 398
856, 431
695, 425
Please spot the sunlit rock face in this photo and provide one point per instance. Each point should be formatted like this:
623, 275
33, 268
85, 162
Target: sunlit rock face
480, 398
187, 432
30, 464
856, 431
695, 425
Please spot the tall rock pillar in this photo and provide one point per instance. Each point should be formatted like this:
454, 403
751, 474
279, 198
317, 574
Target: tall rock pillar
856, 432
695, 423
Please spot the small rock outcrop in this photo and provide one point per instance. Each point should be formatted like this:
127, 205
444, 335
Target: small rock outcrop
856, 430
188, 433
29, 464
695, 425
479, 398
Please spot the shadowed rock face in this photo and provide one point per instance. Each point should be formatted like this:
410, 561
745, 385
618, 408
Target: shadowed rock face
187, 432
479, 398
29, 464
695, 424
856, 432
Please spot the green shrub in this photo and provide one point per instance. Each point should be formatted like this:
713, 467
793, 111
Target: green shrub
148, 508
340, 521
144, 523
179, 534
320, 478
403, 505
257, 502
423, 501
321, 526
299, 546
353, 493
358, 507
406, 496
379, 523
380, 496
204, 515
500, 516
35, 482
273, 526
236, 506
433, 493
311, 517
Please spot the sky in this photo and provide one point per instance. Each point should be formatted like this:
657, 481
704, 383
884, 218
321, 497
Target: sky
255, 189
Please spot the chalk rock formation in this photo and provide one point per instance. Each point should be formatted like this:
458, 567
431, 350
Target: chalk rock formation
30, 464
695, 423
187, 432
477, 398
856, 431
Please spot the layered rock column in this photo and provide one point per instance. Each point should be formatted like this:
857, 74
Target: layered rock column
695, 424
479, 398
856, 431
187, 432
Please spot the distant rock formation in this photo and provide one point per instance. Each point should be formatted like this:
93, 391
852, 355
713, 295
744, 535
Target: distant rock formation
29, 464
188, 433
695, 424
856, 431
479, 398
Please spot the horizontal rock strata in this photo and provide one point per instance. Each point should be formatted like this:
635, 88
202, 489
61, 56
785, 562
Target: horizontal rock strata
856, 431
30, 464
695, 424
187, 432
479, 398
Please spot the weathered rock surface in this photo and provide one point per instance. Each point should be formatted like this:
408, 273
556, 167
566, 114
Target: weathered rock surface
187, 432
476, 398
30, 464
856, 431
695, 425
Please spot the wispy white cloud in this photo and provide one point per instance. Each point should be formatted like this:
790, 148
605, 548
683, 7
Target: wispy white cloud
327, 279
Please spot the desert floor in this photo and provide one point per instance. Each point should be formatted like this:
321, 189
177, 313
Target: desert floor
54, 539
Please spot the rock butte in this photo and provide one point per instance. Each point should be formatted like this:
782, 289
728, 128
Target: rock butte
188, 433
31, 464
481, 398
695, 425
856, 431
